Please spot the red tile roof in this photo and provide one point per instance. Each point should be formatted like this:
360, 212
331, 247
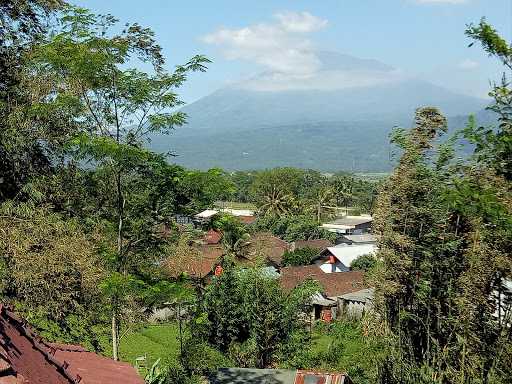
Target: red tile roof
247, 219
333, 284
319, 244
202, 261
95, 369
303, 377
26, 358
266, 245
212, 237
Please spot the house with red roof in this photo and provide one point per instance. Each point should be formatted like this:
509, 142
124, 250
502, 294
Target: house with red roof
25, 358
332, 299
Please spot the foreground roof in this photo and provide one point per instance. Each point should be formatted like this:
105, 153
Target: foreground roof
333, 284
276, 376
25, 358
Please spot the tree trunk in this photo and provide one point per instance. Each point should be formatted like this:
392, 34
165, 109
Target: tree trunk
120, 214
115, 336
120, 268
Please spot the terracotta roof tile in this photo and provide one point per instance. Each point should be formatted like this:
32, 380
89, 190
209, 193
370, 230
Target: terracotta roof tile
34, 361
247, 219
212, 237
202, 261
333, 284
319, 244
264, 244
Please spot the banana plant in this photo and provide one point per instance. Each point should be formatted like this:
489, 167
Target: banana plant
156, 374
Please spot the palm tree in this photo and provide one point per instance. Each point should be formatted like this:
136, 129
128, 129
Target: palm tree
276, 201
324, 196
344, 190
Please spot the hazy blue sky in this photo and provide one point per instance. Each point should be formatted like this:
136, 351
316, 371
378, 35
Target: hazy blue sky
423, 38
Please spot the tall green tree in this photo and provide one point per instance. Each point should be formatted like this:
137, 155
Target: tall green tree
250, 316
117, 109
445, 237
26, 146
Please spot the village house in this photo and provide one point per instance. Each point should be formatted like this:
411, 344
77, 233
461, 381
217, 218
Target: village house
350, 225
246, 216
262, 248
26, 358
340, 257
265, 247
354, 304
200, 263
333, 286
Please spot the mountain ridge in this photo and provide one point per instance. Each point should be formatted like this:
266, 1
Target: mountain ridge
238, 127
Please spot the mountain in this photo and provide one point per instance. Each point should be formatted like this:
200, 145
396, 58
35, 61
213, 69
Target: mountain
336, 118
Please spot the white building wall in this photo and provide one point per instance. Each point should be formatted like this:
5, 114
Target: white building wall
338, 267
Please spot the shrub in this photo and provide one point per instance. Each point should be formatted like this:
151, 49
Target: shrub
364, 263
303, 256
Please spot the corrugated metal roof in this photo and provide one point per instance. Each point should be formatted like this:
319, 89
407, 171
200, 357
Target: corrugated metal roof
238, 212
276, 376
365, 238
362, 296
206, 214
348, 222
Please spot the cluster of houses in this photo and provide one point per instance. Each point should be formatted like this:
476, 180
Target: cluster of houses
27, 358
343, 292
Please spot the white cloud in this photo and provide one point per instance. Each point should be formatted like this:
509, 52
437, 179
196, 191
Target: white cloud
300, 21
468, 64
279, 46
442, 1
291, 61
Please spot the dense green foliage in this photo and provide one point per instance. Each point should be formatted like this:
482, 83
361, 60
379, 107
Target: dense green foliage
302, 256
293, 227
246, 314
364, 263
87, 221
445, 238
342, 346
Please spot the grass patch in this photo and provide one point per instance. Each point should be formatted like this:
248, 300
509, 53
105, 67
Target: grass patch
154, 341
340, 347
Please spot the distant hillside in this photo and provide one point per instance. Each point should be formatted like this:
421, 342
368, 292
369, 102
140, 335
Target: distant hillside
346, 126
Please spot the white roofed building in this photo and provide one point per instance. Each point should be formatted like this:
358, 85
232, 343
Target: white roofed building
340, 257
350, 225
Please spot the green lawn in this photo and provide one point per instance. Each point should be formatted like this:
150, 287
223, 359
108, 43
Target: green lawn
353, 354
154, 341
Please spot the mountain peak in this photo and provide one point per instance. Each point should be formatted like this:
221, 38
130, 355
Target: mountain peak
333, 71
